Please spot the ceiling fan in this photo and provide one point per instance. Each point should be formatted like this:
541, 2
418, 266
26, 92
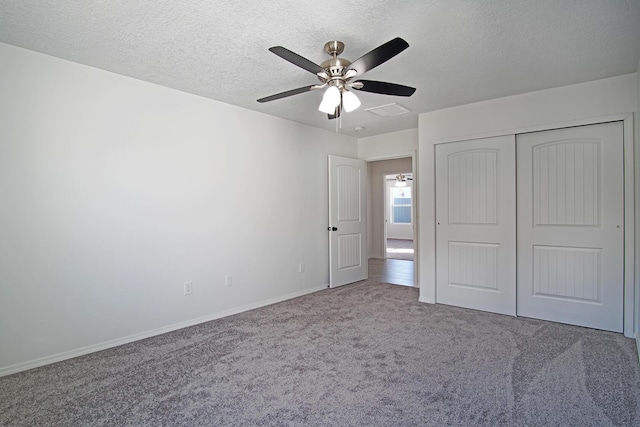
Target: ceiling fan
337, 74
401, 180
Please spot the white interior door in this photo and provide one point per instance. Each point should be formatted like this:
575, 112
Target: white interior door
475, 230
570, 225
348, 260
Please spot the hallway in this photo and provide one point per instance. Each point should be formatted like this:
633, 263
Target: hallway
400, 249
394, 271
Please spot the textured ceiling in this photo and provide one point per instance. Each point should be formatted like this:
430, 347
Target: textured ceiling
460, 51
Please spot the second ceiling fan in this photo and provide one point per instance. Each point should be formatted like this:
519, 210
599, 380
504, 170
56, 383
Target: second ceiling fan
337, 74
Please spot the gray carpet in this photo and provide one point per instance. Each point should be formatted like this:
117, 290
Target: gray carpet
366, 354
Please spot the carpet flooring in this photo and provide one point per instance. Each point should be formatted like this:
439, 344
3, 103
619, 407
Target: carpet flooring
367, 354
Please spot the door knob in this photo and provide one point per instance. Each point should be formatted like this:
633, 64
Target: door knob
333, 229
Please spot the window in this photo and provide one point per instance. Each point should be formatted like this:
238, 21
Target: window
401, 205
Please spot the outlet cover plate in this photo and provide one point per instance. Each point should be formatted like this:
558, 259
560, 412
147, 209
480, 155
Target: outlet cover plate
188, 288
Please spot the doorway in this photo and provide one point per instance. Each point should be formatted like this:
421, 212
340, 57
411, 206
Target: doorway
398, 220
391, 256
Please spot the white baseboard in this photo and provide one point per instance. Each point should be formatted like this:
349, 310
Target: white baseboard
147, 334
638, 345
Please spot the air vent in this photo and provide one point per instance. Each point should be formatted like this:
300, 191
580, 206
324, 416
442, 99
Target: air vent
388, 110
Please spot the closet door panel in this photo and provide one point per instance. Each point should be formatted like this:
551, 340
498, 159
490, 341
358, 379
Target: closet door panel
570, 225
475, 231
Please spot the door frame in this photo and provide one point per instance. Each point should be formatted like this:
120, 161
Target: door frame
428, 255
414, 206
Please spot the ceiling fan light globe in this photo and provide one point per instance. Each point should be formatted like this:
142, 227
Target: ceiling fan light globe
327, 108
330, 100
350, 101
332, 96
401, 183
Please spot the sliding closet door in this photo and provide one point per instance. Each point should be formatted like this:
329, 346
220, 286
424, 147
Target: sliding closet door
570, 225
475, 231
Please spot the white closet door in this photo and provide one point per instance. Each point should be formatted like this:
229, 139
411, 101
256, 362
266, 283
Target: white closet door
570, 225
475, 231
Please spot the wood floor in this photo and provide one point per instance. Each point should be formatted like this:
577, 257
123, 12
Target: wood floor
400, 249
394, 271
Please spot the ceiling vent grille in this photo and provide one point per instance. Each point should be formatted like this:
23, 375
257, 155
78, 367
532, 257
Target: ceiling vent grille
388, 110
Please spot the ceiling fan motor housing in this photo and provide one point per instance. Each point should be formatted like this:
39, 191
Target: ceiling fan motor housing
335, 66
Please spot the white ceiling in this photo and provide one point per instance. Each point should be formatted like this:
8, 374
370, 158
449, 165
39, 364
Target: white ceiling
460, 51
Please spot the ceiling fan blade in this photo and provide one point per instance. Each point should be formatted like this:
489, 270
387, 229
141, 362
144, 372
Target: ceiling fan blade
385, 88
378, 55
288, 93
296, 59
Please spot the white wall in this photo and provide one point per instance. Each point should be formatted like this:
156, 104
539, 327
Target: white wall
637, 211
546, 107
376, 171
550, 108
389, 145
114, 192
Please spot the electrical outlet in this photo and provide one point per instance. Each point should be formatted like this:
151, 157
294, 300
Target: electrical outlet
301, 267
188, 288
228, 280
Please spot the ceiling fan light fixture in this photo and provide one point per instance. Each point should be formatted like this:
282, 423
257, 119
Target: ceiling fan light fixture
401, 180
350, 101
327, 107
330, 100
336, 73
